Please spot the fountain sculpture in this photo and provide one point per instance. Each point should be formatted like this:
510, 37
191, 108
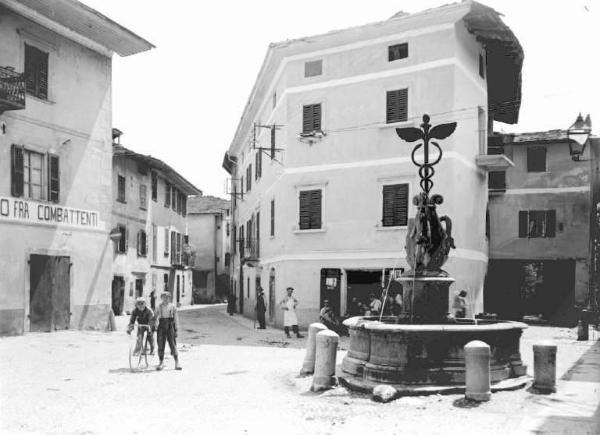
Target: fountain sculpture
423, 346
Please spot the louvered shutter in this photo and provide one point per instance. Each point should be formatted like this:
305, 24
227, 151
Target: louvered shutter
173, 248
395, 205
315, 209
36, 72
307, 119
316, 117
304, 223
16, 171
139, 243
551, 223
272, 217
523, 227
53, 178
397, 105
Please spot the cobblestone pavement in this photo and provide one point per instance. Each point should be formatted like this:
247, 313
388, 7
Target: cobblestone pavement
240, 380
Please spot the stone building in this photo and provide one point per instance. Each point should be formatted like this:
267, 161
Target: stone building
55, 163
209, 228
322, 185
149, 211
540, 227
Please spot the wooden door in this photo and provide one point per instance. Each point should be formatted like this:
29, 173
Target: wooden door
330, 288
61, 292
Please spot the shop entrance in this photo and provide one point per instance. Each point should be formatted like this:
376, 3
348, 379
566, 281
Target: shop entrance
330, 289
361, 284
50, 293
118, 295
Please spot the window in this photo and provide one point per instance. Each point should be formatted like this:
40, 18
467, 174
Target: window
143, 197
142, 246
481, 66
397, 105
311, 118
179, 248
36, 72
227, 229
166, 247
536, 159
183, 204
241, 241
272, 218
167, 195
173, 247
313, 68
310, 210
497, 180
242, 187
174, 198
395, 205
27, 174
121, 189
257, 231
233, 239
154, 182
249, 178
537, 223
398, 51
227, 259
122, 244
273, 137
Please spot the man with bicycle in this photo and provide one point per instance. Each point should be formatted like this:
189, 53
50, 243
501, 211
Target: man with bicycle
145, 318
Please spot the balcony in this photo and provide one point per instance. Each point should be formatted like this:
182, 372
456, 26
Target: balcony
494, 160
12, 90
249, 251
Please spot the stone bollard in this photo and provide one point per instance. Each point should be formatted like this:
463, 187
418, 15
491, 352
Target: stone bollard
326, 350
583, 330
544, 367
308, 366
477, 371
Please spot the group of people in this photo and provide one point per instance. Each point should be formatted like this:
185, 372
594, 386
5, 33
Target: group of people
375, 306
164, 322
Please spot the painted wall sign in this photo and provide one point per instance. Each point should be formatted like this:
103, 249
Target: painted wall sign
25, 211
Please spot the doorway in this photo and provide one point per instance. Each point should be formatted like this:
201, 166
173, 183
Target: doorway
241, 298
50, 293
272, 296
330, 289
139, 287
118, 295
363, 283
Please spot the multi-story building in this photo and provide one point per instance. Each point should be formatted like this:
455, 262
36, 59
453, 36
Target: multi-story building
321, 183
209, 228
149, 211
55, 163
541, 227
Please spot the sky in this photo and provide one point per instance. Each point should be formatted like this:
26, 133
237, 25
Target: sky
181, 102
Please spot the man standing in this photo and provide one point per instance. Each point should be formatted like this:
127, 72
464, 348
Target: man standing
261, 308
288, 305
167, 326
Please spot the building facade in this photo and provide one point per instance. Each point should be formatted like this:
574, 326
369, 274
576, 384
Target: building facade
209, 228
55, 163
149, 227
321, 184
541, 227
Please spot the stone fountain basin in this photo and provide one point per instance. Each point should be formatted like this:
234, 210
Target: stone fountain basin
428, 354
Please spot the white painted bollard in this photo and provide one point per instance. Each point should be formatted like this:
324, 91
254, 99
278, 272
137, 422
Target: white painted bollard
477, 371
544, 367
308, 366
325, 353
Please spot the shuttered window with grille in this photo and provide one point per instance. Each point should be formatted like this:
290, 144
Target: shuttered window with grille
537, 223
311, 118
397, 105
395, 205
310, 209
36, 72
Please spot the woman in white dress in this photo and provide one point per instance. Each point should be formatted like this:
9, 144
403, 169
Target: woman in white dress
288, 305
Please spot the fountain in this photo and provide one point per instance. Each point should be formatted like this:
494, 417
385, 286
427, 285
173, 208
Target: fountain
423, 346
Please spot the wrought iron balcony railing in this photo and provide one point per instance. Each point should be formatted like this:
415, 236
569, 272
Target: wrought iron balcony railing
12, 89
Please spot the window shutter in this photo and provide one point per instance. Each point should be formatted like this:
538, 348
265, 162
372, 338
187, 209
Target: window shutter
154, 178
397, 105
307, 119
273, 137
173, 247
316, 117
17, 171
139, 243
126, 239
315, 206
43, 75
53, 178
304, 222
174, 198
166, 247
272, 217
184, 205
257, 234
167, 195
36, 72
551, 223
523, 224
395, 205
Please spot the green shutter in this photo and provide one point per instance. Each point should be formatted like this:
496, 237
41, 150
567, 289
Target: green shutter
16, 171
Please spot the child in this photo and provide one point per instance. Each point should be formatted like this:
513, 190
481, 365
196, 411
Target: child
144, 316
167, 324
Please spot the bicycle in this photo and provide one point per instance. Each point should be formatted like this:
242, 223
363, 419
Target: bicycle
139, 360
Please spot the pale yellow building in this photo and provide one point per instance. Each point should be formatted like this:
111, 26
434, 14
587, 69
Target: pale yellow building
327, 210
55, 163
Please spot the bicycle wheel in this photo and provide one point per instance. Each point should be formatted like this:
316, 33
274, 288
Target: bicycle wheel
135, 359
143, 361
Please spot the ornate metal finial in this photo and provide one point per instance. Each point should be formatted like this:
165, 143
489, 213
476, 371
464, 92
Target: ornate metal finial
412, 134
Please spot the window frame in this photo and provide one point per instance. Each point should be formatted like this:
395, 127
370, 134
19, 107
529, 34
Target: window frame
390, 116
314, 224
396, 221
396, 50
38, 90
122, 195
309, 109
528, 224
531, 164
311, 69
